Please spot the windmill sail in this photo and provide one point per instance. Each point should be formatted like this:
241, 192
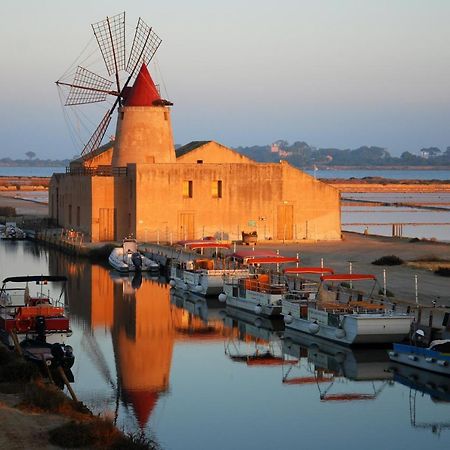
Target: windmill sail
145, 44
96, 139
110, 35
87, 87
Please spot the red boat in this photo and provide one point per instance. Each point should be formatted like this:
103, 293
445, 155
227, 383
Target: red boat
36, 315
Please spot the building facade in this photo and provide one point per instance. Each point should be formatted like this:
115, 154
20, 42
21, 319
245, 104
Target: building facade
139, 185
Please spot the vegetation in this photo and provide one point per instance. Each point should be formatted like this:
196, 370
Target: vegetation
301, 154
7, 211
13, 368
389, 260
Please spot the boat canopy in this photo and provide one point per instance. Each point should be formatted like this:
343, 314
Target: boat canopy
277, 259
39, 278
308, 270
245, 255
207, 244
347, 277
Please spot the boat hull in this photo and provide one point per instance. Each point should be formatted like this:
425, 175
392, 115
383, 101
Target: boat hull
421, 358
353, 329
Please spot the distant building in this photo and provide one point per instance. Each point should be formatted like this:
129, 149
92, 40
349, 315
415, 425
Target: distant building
139, 185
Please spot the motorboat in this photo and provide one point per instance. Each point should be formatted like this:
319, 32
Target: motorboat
12, 232
260, 292
434, 358
343, 313
201, 274
32, 316
128, 258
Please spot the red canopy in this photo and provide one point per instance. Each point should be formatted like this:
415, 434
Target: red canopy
308, 270
277, 259
242, 254
207, 244
347, 277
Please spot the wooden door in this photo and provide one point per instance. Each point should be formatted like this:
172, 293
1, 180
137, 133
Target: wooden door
106, 224
186, 225
285, 222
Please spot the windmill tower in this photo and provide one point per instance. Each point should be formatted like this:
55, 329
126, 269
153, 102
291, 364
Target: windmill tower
144, 132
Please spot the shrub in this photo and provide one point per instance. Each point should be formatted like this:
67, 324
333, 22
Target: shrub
389, 260
443, 271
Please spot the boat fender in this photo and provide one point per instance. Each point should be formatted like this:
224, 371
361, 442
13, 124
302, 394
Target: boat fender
340, 333
198, 288
172, 283
258, 309
340, 357
258, 322
288, 318
314, 328
222, 297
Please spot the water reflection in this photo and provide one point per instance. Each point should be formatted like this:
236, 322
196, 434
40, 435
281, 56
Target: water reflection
199, 376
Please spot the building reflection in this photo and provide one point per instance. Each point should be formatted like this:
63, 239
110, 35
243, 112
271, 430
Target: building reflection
144, 325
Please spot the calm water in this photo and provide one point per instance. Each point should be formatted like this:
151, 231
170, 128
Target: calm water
397, 174
436, 222
197, 377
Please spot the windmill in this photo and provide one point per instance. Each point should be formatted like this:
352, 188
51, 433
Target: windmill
88, 87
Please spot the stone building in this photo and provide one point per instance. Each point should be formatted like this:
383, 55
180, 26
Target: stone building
139, 185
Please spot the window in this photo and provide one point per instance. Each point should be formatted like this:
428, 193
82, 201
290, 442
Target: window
78, 216
199, 161
70, 214
216, 189
188, 188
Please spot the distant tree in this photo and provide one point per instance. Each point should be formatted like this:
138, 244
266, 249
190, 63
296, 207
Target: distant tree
30, 155
432, 151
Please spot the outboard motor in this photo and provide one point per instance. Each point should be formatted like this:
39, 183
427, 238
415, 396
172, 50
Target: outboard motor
40, 328
136, 258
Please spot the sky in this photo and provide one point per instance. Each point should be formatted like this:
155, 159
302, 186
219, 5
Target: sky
333, 73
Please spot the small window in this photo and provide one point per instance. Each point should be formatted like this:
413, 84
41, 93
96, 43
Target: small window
216, 189
78, 216
199, 161
166, 116
121, 115
70, 214
188, 188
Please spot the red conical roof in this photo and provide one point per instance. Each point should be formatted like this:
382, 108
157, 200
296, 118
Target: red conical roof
143, 92
143, 403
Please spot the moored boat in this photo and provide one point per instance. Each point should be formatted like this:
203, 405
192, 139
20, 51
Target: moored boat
344, 314
32, 315
435, 358
259, 293
128, 258
201, 274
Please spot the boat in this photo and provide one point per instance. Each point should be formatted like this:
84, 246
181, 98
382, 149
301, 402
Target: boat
204, 275
128, 258
259, 293
434, 358
12, 232
32, 316
341, 313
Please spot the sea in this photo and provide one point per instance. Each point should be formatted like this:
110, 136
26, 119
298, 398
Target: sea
191, 374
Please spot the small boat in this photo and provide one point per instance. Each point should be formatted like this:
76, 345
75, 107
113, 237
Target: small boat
201, 274
344, 314
12, 232
32, 315
435, 358
128, 258
259, 293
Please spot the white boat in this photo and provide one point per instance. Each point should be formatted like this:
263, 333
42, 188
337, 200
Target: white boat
340, 313
12, 232
259, 293
128, 258
435, 358
203, 275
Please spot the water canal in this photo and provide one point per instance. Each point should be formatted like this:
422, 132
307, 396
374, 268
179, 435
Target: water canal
194, 376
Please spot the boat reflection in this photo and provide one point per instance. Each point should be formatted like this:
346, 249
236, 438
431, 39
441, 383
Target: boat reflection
422, 383
253, 340
331, 366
